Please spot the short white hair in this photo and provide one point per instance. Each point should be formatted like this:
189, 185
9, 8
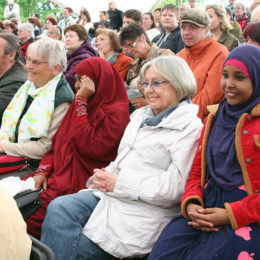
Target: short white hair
53, 50
177, 72
27, 27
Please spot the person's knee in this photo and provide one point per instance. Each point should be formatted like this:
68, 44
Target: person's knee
57, 206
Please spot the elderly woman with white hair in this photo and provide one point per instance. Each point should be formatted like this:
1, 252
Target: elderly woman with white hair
35, 112
131, 200
25, 35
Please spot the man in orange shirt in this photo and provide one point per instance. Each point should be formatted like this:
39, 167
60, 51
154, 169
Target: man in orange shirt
205, 56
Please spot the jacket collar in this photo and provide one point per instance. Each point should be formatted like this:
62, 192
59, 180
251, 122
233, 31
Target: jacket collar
178, 119
199, 48
213, 110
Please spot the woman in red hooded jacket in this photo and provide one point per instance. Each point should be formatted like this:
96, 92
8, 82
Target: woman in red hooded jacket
87, 138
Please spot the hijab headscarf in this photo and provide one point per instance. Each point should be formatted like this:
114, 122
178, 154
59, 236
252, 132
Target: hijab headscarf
222, 163
84, 141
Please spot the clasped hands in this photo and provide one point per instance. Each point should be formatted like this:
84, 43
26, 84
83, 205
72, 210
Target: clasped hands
103, 180
209, 219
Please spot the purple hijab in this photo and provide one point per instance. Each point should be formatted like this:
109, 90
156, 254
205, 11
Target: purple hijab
222, 163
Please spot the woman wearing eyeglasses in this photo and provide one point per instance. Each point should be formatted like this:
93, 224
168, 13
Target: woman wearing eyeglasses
136, 42
133, 199
35, 112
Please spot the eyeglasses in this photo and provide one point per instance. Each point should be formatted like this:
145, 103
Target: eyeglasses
154, 84
132, 45
35, 63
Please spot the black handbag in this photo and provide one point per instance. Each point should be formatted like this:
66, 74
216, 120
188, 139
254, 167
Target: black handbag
28, 202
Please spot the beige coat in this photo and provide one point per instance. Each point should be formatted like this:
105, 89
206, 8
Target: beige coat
15, 244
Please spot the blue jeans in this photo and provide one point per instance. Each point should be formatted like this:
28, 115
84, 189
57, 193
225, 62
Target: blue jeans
65, 218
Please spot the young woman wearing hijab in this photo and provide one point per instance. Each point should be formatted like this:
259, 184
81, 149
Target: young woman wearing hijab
221, 202
87, 138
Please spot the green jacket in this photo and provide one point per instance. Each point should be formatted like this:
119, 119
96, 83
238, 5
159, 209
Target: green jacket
10, 82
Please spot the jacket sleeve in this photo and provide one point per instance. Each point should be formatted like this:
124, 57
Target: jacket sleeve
193, 190
36, 149
211, 93
103, 134
244, 212
165, 187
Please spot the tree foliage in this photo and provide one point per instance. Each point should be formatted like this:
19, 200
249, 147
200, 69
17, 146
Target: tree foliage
28, 7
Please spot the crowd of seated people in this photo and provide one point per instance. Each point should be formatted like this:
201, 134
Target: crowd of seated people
142, 130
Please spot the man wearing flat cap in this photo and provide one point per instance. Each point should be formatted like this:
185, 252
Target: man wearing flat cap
205, 57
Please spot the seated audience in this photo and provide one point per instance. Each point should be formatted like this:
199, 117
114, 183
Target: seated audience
10, 27
149, 26
109, 48
133, 199
240, 14
55, 32
135, 41
14, 241
78, 20
252, 34
15, 22
103, 19
78, 47
132, 16
171, 37
48, 23
25, 35
12, 70
67, 18
36, 29
36, 110
205, 57
220, 26
236, 30
87, 138
85, 20
220, 205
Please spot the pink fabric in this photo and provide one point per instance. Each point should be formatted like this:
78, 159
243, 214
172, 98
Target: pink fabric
239, 65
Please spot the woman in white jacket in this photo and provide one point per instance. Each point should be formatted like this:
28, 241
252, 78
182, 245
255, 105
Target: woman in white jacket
132, 200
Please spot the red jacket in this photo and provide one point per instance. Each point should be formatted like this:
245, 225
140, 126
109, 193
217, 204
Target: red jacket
246, 211
243, 21
122, 64
24, 47
206, 59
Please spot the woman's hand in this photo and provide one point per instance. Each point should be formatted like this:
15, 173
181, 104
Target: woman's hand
103, 180
210, 219
138, 102
87, 87
40, 181
101, 54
